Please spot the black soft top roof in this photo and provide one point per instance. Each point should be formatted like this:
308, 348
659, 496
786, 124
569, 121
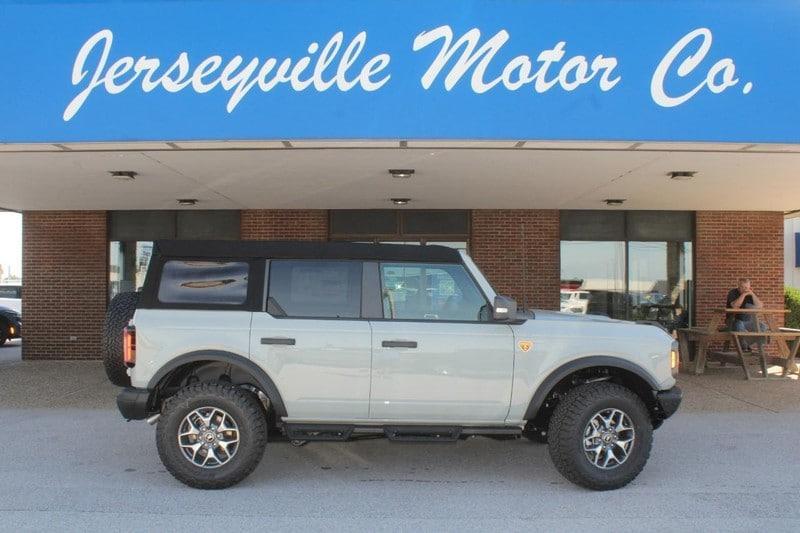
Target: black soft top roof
306, 250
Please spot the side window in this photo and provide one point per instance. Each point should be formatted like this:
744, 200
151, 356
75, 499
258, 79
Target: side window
203, 283
315, 289
417, 291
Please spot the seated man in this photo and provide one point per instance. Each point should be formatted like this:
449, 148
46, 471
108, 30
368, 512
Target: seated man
743, 297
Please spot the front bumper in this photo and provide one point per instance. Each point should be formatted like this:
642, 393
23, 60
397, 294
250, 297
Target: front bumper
133, 403
667, 402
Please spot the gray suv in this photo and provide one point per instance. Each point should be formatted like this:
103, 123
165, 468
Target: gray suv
231, 344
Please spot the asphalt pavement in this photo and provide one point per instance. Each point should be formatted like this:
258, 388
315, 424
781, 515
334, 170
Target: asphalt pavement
74, 469
11, 351
68, 468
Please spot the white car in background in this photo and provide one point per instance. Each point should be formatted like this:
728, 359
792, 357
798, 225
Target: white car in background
11, 296
575, 301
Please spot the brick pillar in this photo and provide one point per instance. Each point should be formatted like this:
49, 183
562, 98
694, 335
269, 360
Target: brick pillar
734, 244
285, 224
519, 251
65, 277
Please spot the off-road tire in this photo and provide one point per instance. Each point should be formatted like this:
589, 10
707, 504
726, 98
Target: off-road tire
569, 421
120, 311
242, 405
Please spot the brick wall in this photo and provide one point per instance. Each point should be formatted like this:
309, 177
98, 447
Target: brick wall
734, 244
519, 251
285, 224
65, 273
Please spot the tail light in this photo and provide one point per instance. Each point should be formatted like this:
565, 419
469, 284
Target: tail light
674, 359
129, 346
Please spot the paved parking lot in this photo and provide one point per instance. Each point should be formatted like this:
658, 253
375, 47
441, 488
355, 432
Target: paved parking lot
730, 466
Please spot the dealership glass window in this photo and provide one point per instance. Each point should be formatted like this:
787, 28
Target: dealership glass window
660, 282
203, 283
593, 277
414, 291
315, 289
131, 236
634, 265
127, 265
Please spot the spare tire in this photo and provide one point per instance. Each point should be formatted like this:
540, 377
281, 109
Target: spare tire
120, 311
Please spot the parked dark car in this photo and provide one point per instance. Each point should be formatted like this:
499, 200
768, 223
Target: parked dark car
10, 324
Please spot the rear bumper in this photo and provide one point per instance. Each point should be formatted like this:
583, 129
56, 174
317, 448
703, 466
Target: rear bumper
133, 403
668, 401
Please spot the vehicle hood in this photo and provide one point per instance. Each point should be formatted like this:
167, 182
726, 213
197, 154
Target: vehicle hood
541, 314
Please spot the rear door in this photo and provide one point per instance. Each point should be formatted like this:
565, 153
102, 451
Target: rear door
312, 341
436, 355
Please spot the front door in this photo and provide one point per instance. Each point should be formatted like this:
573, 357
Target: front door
312, 341
436, 356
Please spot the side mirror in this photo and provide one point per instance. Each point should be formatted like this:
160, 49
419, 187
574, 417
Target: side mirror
504, 308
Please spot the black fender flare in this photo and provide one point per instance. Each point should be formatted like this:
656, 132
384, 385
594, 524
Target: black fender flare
263, 380
579, 364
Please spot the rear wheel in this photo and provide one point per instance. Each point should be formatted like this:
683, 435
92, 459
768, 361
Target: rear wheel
600, 436
211, 435
120, 311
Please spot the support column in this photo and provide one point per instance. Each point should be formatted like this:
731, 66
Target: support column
734, 244
519, 251
65, 284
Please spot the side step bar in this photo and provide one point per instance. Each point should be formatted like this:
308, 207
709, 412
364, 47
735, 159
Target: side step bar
398, 433
422, 433
315, 432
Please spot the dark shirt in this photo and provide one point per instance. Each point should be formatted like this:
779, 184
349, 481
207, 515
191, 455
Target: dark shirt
733, 295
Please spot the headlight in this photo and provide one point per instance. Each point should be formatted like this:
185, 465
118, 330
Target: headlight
674, 358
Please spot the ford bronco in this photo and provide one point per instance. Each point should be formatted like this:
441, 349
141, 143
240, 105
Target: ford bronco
231, 343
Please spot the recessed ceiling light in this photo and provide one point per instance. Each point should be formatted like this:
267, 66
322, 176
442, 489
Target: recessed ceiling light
681, 175
123, 175
187, 201
400, 201
614, 201
401, 172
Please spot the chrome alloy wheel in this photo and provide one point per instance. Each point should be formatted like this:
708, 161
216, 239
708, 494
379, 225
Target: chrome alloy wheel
609, 438
208, 437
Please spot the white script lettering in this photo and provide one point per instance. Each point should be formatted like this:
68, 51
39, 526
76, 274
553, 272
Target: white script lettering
721, 75
576, 71
212, 71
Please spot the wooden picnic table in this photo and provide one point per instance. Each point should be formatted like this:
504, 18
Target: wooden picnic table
788, 341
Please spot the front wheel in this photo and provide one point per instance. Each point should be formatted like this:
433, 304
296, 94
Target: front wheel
211, 435
600, 436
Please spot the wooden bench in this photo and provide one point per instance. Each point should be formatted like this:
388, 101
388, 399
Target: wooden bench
787, 339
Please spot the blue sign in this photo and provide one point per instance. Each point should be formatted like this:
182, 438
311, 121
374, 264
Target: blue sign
400, 69
797, 250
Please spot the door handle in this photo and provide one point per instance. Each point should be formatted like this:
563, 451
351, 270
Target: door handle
399, 344
284, 341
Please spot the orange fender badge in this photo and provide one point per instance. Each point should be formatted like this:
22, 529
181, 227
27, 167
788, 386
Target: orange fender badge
525, 346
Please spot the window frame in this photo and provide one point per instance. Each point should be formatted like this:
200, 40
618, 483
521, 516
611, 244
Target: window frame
469, 276
267, 279
255, 285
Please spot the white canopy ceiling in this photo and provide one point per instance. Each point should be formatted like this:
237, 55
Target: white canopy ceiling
354, 174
